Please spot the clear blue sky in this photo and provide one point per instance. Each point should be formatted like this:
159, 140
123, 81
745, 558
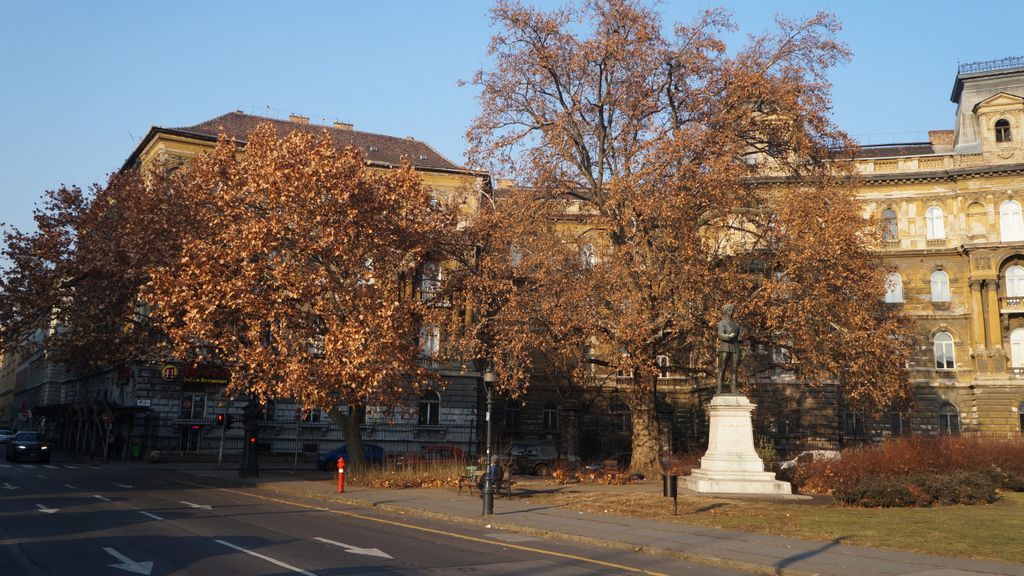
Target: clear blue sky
82, 82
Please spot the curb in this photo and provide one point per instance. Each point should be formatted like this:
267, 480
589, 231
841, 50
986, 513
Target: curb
750, 567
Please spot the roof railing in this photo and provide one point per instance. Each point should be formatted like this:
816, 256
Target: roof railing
985, 66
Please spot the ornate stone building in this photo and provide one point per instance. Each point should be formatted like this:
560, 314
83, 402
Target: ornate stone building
953, 233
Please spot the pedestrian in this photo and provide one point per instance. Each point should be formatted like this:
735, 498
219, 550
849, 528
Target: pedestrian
495, 472
118, 445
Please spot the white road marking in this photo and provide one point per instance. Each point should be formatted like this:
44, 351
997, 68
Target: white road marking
122, 485
101, 497
50, 466
267, 558
95, 468
70, 486
200, 506
355, 549
153, 516
8, 486
28, 465
6, 466
129, 565
46, 510
43, 477
70, 466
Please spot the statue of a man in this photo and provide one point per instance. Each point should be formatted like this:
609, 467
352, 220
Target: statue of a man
728, 348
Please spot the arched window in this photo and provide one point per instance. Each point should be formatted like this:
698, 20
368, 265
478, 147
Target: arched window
1017, 349
944, 351
513, 416
1011, 227
935, 227
1015, 281
890, 230
588, 255
893, 288
949, 419
550, 416
430, 408
940, 286
430, 341
1003, 133
430, 280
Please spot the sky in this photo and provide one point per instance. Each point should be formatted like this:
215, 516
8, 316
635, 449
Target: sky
81, 83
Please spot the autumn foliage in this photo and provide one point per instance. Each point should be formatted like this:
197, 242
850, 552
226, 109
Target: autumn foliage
658, 177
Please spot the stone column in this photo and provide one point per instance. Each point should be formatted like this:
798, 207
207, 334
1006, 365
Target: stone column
995, 337
977, 316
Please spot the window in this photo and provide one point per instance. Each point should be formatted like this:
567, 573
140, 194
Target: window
940, 286
664, 363
949, 420
515, 255
944, 351
1017, 349
899, 423
893, 288
588, 255
935, 228
890, 231
268, 411
1020, 414
1011, 227
430, 280
430, 341
1015, 281
1003, 133
550, 416
976, 217
193, 406
430, 408
311, 415
853, 425
513, 416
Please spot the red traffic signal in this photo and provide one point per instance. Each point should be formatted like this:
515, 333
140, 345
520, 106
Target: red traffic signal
220, 419
252, 439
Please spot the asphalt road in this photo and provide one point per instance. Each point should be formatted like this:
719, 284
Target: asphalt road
74, 519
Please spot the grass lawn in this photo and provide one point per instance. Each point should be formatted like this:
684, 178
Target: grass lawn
993, 531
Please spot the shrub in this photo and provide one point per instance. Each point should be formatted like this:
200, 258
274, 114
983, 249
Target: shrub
924, 489
419, 475
876, 492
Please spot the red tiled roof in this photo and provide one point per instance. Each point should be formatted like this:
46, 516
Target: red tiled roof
377, 148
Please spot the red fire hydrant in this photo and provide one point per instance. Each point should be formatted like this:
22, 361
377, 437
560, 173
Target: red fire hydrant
341, 475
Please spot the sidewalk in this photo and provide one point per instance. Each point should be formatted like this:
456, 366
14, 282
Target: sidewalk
738, 550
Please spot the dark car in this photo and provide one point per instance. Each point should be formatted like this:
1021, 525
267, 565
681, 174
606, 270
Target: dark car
433, 454
5, 435
28, 445
372, 453
532, 457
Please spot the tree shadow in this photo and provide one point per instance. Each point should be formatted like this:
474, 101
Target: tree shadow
781, 565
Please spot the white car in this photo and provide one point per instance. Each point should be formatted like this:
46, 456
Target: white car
808, 456
5, 435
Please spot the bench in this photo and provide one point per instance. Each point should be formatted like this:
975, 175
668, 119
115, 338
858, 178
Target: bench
471, 479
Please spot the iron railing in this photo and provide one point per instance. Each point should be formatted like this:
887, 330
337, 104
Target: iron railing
985, 66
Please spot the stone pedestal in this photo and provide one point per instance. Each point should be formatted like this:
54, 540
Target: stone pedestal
731, 464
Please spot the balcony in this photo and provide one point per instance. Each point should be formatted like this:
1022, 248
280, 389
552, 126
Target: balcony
1012, 304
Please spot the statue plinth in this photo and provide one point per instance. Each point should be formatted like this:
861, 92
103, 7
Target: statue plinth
731, 464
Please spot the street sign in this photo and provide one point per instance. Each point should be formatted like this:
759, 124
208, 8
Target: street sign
143, 402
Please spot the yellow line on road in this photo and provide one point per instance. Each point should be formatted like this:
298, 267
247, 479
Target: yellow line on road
429, 530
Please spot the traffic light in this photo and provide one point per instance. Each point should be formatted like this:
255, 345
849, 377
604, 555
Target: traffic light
228, 420
252, 441
220, 419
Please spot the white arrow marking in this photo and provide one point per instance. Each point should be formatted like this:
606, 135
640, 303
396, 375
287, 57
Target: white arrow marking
9, 487
200, 506
129, 565
46, 510
101, 497
267, 558
153, 516
356, 550
122, 485
70, 486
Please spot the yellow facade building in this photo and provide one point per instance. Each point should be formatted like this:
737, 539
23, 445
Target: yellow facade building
952, 231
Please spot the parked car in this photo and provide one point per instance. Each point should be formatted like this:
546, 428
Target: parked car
433, 454
372, 453
28, 445
808, 456
532, 457
5, 435
618, 462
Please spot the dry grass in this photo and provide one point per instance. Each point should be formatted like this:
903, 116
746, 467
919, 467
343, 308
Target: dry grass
432, 475
994, 531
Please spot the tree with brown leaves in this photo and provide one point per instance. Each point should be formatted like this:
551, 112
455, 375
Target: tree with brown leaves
658, 178
289, 272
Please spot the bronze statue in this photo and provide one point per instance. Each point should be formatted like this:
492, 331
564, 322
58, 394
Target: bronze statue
728, 348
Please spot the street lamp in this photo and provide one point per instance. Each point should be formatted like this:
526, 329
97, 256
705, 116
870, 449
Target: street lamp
489, 378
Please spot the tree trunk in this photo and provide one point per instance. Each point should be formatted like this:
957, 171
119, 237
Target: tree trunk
349, 423
645, 459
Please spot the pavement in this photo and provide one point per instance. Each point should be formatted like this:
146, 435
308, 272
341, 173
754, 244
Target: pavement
753, 553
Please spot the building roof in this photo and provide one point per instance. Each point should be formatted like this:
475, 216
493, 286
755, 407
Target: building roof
904, 149
377, 148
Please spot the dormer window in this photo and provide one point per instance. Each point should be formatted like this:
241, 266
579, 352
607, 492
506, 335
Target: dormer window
1003, 133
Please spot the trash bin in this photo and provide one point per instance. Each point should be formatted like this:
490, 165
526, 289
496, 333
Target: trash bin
136, 449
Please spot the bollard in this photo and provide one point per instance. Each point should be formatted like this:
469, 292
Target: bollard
341, 475
670, 489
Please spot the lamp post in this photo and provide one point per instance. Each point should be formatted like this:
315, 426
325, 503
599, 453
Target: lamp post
488, 378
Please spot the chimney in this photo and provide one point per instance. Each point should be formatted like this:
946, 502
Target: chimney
298, 119
342, 125
940, 137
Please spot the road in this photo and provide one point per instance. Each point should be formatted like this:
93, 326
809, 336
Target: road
76, 519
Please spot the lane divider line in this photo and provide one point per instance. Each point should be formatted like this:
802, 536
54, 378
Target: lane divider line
101, 497
267, 558
70, 486
151, 515
428, 530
